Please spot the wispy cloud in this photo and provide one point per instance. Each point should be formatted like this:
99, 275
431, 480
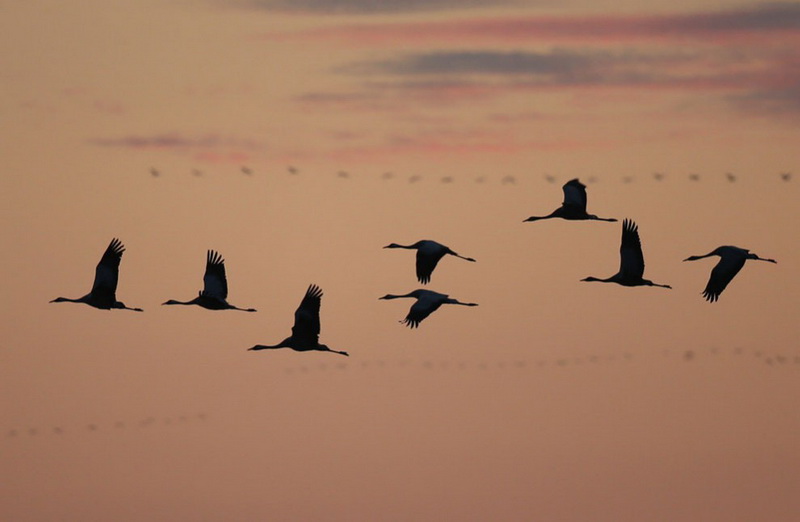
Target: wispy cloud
747, 56
212, 148
715, 27
361, 7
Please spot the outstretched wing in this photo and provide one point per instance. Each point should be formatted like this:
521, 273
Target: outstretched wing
426, 262
721, 275
215, 284
631, 260
575, 194
427, 302
306, 319
106, 274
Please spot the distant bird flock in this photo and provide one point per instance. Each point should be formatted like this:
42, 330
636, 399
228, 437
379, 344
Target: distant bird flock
507, 179
306, 329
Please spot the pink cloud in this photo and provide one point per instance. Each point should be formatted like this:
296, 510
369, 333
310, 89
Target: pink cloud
765, 24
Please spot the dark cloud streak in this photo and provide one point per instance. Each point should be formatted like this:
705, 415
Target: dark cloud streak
367, 7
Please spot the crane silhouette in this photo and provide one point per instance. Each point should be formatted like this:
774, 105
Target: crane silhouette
574, 205
732, 260
631, 260
305, 332
427, 302
428, 255
215, 287
106, 275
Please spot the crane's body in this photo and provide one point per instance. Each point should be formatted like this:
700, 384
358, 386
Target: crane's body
731, 261
427, 302
429, 253
305, 332
214, 294
631, 260
574, 205
106, 276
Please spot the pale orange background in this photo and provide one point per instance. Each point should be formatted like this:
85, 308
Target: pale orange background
552, 400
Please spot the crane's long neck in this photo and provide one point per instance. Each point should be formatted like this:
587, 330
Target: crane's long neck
695, 258
175, 302
395, 245
69, 300
393, 296
598, 280
283, 344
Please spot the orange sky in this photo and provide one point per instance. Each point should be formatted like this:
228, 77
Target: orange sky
552, 400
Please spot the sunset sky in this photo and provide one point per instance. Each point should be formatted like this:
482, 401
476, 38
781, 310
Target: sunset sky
299, 137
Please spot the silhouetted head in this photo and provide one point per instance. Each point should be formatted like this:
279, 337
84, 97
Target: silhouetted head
59, 300
392, 245
171, 302
591, 278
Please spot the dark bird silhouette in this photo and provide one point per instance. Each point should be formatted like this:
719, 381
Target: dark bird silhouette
106, 275
732, 260
305, 332
631, 260
574, 205
427, 302
694, 177
428, 255
658, 176
215, 287
730, 177
786, 176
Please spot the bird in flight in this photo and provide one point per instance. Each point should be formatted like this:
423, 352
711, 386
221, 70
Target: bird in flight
427, 302
732, 260
574, 205
428, 255
305, 332
215, 287
631, 260
106, 275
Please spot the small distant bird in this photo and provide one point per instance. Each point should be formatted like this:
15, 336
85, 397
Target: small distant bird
197, 173
387, 175
694, 177
627, 179
305, 332
732, 260
427, 302
631, 260
480, 179
343, 174
658, 176
215, 287
549, 178
574, 205
154, 172
730, 177
786, 176
428, 255
414, 179
106, 276
508, 180
247, 170
447, 179
292, 170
